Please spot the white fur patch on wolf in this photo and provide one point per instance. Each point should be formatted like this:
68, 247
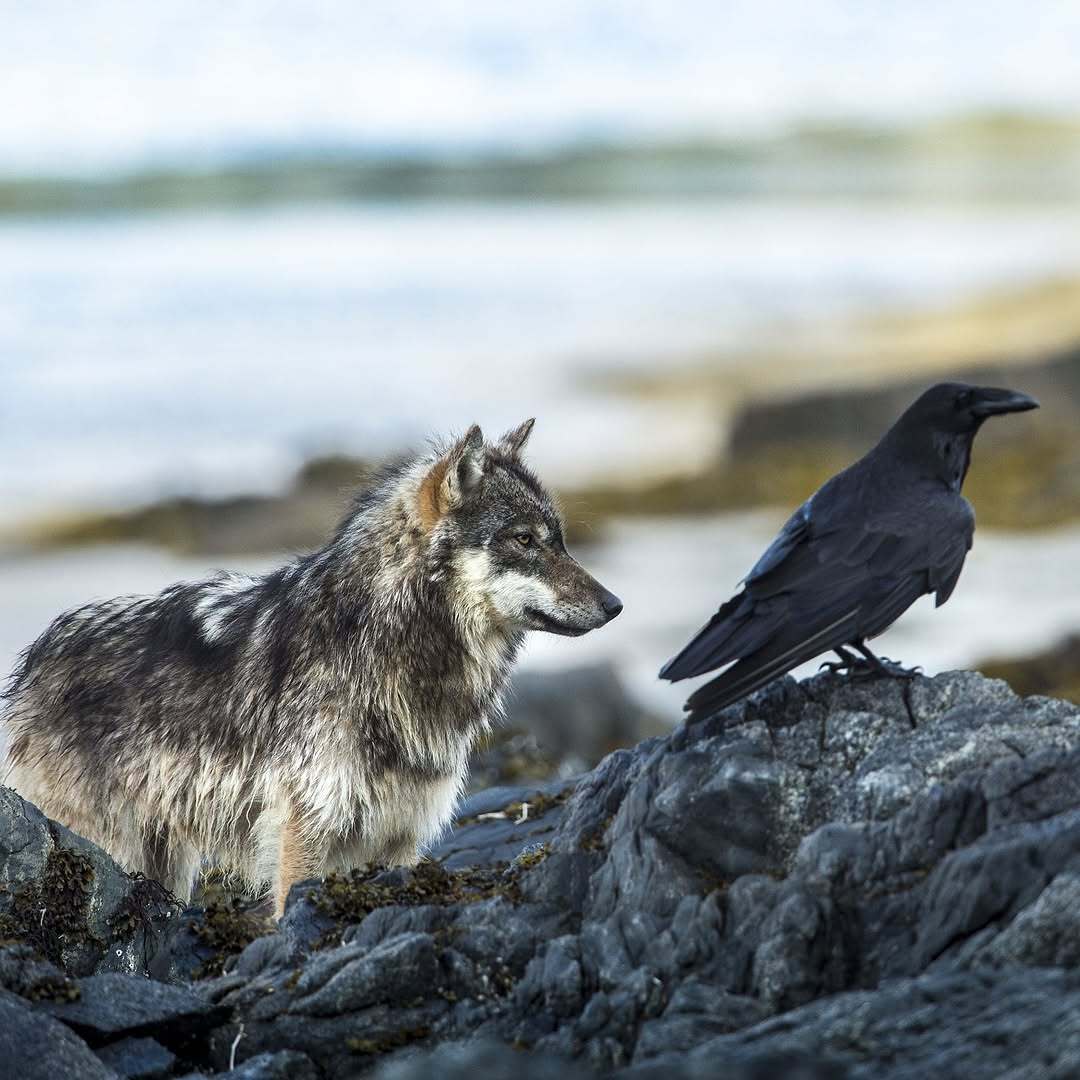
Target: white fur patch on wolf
215, 605
509, 592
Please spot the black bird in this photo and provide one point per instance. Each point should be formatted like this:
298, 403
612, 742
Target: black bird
855, 556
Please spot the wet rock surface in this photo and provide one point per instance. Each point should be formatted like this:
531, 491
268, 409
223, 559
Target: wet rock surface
67, 899
835, 879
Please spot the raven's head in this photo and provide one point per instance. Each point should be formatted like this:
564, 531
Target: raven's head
956, 408
939, 427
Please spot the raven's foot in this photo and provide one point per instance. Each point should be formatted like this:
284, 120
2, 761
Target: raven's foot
882, 665
895, 670
854, 667
847, 664
869, 666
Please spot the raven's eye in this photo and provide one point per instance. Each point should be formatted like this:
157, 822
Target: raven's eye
524, 539
963, 399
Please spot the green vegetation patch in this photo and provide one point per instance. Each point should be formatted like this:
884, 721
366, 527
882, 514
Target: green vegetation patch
394, 1040
146, 901
227, 928
349, 898
49, 913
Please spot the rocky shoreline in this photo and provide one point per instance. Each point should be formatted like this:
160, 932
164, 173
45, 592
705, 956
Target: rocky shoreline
779, 449
826, 881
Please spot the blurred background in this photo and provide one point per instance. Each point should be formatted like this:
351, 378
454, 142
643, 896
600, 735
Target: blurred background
247, 250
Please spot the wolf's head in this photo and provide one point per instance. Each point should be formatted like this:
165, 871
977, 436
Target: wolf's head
504, 539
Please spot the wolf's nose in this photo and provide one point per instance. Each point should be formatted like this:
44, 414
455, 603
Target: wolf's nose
611, 604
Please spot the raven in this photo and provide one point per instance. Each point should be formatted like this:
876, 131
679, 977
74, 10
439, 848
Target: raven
855, 556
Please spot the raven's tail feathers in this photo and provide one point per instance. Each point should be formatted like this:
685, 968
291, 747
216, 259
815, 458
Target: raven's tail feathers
754, 671
735, 630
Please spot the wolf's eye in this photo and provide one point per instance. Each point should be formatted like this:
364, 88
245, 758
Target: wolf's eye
524, 539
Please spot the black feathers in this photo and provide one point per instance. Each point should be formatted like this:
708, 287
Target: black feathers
856, 555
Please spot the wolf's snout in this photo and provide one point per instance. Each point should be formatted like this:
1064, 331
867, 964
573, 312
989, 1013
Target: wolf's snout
610, 604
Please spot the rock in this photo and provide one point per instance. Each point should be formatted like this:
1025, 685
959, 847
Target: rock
67, 899
139, 1059
854, 415
113, 1005
807, 885
285, 1065
807, 844
298, 518
205, 940
467, 1061
25, 972
560, 724
783, 448
1019, 1024
36, 1047
1043, 934
496, 825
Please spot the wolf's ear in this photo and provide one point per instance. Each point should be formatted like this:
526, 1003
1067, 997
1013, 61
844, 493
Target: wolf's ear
513, 442
465, 467
453, 478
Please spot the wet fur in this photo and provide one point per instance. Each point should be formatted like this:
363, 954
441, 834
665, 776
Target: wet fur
314, 719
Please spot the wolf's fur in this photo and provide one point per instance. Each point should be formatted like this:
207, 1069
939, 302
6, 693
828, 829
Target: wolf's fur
317, 718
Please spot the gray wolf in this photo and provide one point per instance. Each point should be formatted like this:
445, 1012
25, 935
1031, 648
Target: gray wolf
317, 718
855, 556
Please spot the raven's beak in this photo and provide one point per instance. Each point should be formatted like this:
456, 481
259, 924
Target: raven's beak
990, 401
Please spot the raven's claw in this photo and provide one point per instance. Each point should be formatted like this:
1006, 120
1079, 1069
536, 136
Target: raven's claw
835, 667
897, 670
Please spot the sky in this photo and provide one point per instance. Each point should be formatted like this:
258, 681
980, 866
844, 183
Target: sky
102, 85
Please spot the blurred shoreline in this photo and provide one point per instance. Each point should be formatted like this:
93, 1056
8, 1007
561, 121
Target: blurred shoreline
779, 446
995, 156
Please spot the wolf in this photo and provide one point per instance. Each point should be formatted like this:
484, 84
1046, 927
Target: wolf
317, 718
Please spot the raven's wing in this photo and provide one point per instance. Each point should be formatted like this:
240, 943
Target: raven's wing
814, 590
710, 646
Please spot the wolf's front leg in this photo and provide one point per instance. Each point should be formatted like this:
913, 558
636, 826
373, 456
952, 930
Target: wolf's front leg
404, 853
297, 861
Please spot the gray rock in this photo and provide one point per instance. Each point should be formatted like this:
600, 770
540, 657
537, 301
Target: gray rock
1017, 1024
809, 842
496, 825
804, 886
113, 1005
579, 713
284, 1065
394, 972
67, 899
467, 1061
1046, 933
36, 1047
139, 1059
25, 972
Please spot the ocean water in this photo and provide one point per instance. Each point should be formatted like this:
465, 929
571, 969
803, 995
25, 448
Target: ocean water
213, 352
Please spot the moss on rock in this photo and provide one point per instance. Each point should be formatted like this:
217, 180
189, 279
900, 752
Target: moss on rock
347, 899
227, 928
49, 913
